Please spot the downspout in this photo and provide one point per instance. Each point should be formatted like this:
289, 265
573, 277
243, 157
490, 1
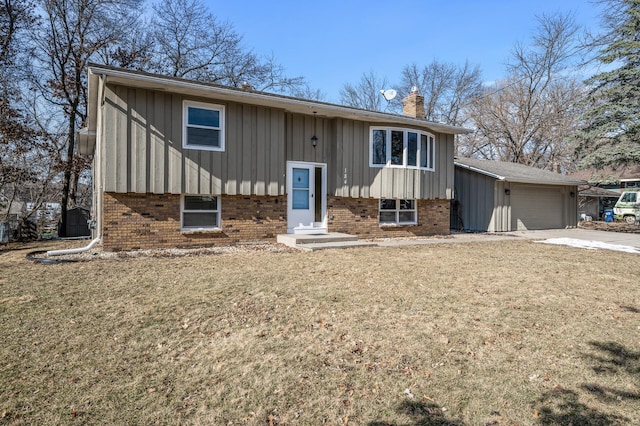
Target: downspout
74, 251
96, 240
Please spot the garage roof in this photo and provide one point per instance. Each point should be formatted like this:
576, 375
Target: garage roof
513, 172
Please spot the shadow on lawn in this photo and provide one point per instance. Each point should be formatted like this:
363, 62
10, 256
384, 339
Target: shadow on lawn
562, 406
423, 414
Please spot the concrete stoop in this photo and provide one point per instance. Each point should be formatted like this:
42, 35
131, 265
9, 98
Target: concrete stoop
322, 241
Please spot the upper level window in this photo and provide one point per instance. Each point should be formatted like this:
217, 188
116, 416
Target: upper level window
203, 126
401, 148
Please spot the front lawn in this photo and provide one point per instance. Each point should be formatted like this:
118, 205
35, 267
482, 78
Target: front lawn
493, 333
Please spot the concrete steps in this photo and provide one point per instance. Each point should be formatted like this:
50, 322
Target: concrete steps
322, 241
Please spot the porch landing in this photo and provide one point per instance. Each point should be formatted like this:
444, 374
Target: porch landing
322, 241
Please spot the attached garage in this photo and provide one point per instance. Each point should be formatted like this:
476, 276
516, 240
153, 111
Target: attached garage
494, 196
536, 207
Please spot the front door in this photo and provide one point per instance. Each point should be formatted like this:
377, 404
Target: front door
306, 198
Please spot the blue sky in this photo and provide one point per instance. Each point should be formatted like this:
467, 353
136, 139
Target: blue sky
333, 42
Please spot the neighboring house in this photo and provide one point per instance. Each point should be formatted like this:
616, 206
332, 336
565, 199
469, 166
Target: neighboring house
10, 218
593, 201
611, 178
46, 212
182, 163
604, 188
17, 210
496, 196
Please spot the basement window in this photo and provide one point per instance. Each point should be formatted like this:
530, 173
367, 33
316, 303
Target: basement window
200, 212
407, 148
398, 212
203, 126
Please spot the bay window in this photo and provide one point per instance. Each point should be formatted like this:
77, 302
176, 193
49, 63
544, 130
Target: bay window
407, 148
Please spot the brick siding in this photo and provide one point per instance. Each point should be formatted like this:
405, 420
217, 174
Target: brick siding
143, 221
359, 216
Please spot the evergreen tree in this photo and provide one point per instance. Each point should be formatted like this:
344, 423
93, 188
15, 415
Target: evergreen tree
610, 128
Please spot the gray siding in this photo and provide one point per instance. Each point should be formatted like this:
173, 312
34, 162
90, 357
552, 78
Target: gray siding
354, 178
476, 194
143, 148
142, 151
543, 207
485, 207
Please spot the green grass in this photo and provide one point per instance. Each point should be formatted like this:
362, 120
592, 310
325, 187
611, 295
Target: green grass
498, 333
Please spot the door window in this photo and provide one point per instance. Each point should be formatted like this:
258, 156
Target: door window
300, 189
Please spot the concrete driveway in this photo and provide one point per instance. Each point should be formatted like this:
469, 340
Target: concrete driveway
616, 238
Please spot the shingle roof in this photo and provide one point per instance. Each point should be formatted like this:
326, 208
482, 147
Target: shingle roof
609, 175
305, 106
519, 173
594, 191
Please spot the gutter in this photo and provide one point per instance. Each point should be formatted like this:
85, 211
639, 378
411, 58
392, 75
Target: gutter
521, 180
475, 169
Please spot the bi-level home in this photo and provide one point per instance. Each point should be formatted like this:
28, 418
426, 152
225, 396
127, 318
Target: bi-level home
180, 163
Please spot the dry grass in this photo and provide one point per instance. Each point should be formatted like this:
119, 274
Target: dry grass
498, 333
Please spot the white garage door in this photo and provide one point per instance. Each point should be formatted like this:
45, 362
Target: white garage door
536, 207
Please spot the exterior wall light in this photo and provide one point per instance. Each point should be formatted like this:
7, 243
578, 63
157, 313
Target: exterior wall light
314, 141
507, 191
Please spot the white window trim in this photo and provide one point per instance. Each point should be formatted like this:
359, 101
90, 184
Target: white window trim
397, 210
216, 227
185, 117
405, 131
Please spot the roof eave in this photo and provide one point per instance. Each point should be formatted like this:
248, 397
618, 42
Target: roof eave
520, 179
545, 182
477, 170
265, 99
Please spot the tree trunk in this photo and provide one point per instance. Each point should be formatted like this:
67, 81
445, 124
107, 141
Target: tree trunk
68, 172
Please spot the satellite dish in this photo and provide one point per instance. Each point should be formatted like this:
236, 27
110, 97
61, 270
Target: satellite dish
389, 94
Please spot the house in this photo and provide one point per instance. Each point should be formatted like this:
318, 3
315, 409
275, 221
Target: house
593, 201
10, 215
496, 196
180, 163
605, 186
611, 178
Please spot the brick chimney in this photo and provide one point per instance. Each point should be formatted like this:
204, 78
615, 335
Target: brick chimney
413, 106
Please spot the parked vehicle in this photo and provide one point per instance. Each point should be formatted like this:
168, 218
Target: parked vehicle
627, 207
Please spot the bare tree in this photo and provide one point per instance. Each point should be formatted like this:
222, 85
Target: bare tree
447, 88
529, 117
19, 140
191, 42
74, 32
366, 93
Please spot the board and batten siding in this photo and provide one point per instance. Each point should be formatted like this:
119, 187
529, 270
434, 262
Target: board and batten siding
142, 147
481, 204
485, 205
351, 176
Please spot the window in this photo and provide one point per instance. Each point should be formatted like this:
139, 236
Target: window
401, 148
200, 212
628, 197
203, 126
397, 212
